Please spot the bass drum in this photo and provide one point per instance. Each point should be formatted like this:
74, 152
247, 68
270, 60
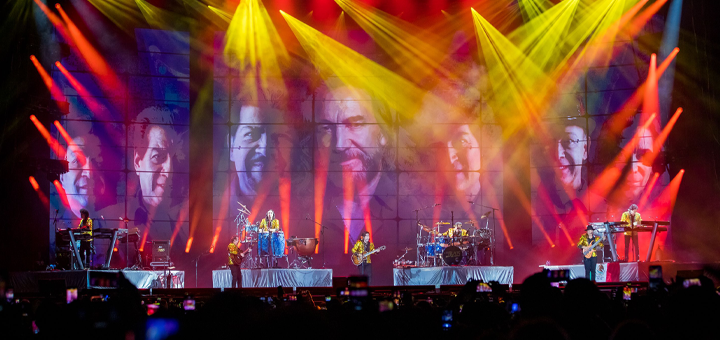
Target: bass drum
453, 256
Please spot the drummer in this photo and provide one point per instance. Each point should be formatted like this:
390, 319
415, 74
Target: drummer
271, 220
456, 230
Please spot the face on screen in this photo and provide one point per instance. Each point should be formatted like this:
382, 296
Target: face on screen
153, 165
78, 181
258, 147
639, 173
464, 152
349, 128
570, 152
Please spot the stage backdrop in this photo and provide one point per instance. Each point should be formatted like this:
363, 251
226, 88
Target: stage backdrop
318, 153
127, 143
585, 171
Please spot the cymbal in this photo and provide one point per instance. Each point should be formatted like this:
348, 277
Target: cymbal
438, 223
470, 222
408, 249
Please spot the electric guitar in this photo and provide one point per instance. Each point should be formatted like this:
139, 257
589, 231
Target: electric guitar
588, 252
359, 258
238, 258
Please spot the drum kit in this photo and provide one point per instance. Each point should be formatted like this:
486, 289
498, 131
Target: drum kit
271, 244
435, 249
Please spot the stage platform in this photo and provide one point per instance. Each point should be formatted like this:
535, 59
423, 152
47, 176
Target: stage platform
272, 278
436, 276
638, 271
55, 281
605, 272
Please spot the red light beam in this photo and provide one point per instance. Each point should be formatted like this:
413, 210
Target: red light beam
93, 59
51, 141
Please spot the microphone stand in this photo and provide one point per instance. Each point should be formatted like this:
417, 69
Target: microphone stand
492, 246
322, 237
196, 260
419, 233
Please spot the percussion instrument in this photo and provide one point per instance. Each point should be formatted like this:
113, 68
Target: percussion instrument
305, 246
275, 239
453, 256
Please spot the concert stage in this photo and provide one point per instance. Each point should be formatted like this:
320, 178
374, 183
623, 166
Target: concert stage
451, 275
605, 272
272, 278
638, 271
50, 281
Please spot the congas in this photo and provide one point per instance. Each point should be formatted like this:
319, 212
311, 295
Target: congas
278, 243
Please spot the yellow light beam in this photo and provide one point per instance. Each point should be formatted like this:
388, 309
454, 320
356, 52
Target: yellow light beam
335, 61
253, 46
415, 53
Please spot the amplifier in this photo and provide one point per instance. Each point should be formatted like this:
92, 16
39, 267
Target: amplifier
161, 251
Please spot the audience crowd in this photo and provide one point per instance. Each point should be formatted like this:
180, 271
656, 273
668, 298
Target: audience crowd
538, 311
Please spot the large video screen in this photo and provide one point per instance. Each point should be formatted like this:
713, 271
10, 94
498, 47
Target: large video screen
594, 163
329, 157
128, 147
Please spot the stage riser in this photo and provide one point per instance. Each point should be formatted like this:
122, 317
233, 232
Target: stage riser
55, 282
272, 278
437, 276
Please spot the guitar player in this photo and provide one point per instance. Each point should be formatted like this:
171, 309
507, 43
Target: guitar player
235, 258
363, 245
589, 245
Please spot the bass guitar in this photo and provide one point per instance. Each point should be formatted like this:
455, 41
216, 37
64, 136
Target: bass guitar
359, 258
587, 252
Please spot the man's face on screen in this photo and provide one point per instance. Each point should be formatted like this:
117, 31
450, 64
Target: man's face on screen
570, 152
637, 178
348, 127
153, 165
464, 152
250, 149
78, 181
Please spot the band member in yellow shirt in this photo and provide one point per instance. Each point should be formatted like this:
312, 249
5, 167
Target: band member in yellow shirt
633, 219
585, 242
235, 258
363, 245
270, 222
86, 248
455, 231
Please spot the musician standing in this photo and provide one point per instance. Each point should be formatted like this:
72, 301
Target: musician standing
590, 261
364, 246
633, 219
234, 260
86, 226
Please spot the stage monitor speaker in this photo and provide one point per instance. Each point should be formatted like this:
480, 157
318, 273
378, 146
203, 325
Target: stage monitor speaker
161, 251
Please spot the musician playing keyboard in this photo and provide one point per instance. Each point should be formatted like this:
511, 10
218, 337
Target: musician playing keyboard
86, 225
633, 219
589, 244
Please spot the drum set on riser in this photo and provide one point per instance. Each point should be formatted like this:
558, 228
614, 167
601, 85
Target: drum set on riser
435, 249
